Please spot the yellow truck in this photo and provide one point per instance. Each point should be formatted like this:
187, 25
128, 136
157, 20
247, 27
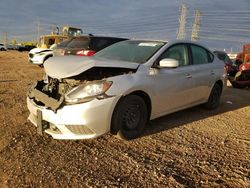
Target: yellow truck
46, 41
45, 45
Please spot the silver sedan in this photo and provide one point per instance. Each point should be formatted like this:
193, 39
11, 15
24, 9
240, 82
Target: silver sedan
122, 87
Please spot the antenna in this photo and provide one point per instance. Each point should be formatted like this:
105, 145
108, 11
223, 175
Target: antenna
38, 30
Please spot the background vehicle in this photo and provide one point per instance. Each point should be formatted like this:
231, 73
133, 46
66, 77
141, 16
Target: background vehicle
3, 47
223, 56
38, 56
43, 52
48, 42
25, 48
85, 45
241, 76
123, 86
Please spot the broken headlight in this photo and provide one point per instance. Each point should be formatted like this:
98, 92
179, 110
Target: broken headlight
87, 92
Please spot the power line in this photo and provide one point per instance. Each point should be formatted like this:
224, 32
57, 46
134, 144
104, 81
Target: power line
226, 11
221, 39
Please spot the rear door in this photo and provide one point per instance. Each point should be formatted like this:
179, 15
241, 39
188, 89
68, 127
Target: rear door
203, 74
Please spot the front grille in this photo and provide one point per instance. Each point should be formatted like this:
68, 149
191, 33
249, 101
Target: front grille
79, 129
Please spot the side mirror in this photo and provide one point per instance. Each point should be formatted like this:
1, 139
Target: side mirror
168, 63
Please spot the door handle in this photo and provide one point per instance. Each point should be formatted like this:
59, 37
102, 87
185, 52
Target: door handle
212, 73
188, 76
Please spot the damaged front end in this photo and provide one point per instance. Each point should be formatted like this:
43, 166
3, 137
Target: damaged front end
54, 93
49, 94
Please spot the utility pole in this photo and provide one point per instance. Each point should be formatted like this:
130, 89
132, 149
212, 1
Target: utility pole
182, 22
38, 30
196, 25
5, 38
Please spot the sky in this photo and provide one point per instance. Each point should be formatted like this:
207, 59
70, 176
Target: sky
225, 24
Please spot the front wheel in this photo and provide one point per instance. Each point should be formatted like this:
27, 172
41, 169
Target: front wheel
214, 97
129, 118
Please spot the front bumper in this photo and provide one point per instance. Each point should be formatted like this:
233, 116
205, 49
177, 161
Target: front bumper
36, 59
79, 121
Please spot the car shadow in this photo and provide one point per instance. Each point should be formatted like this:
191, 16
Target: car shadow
232, 99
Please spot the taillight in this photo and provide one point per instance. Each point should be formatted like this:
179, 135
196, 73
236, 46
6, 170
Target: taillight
85, 53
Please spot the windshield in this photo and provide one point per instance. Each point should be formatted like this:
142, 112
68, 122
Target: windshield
131, 50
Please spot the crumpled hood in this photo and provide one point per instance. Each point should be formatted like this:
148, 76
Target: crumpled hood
67, 66
39, 50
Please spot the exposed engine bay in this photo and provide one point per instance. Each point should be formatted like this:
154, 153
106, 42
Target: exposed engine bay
50, 92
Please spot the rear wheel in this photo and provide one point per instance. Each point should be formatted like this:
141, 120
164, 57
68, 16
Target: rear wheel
214, 97
129, 118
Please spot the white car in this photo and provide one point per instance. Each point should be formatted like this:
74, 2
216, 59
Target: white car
39, 55
123, 86
3, 47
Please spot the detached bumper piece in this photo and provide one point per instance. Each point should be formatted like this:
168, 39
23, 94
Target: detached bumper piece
43, 98
241, 79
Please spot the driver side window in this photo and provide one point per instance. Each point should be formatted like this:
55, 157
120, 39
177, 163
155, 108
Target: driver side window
177, 52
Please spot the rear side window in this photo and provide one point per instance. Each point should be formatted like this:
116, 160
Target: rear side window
79, 42
97, 44
201, 55
221, 56
64, 43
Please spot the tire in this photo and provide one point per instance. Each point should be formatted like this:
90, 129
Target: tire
238, 77
214, 97
129, 117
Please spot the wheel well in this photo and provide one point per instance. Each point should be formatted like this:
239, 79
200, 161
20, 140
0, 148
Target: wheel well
114, 128
146, 99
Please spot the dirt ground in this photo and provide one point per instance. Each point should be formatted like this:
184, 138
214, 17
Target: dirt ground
191, 148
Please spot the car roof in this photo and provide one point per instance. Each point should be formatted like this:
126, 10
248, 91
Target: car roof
170, 42
93, 36
221, 52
